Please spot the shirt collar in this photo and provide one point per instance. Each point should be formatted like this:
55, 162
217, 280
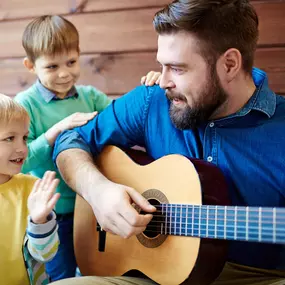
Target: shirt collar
264, 99
49, 95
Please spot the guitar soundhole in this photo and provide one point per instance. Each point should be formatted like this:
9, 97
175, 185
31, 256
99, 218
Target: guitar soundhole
154, 227
153, 235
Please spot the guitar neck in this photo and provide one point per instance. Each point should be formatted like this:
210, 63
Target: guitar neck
256, 224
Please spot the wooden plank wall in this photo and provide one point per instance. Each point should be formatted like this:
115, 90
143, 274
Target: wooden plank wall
118, 42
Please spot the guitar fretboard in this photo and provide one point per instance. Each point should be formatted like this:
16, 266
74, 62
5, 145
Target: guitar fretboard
259, 224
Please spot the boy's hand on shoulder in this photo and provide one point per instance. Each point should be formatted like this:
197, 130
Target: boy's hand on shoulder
151, 78
75, 120
43, 198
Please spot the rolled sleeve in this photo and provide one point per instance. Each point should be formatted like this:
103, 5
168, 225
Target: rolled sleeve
68, 140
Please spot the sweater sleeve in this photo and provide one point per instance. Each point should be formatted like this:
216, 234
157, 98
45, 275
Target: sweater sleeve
43, 239
38, 147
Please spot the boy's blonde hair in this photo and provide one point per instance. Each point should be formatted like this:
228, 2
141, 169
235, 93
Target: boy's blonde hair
10, 110
49, 35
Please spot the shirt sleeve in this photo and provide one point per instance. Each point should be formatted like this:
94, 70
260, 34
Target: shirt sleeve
122, 124
43, 239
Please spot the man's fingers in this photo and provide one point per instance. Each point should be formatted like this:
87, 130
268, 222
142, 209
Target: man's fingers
139, 200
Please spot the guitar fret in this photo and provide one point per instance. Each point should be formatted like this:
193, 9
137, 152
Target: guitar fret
235, 225
192, 221
175, 213
274, 225
225, 222
207, 222
181, 208
246, 224
216, 217
170, 221
199, 222
166, 219
259, 224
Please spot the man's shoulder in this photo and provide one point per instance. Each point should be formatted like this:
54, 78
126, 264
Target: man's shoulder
280, 105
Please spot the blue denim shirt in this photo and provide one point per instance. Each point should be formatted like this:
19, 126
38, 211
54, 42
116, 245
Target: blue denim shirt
248, 146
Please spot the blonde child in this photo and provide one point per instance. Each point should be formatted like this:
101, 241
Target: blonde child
28, 228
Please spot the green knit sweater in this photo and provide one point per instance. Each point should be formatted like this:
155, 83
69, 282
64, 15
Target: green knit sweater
43, 116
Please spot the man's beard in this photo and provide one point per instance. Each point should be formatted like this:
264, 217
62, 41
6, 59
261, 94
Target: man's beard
211, 98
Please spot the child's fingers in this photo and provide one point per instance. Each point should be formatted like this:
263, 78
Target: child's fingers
36, 186
149, 77
52, 187
51, 203
47, 180
143, 80
158, 80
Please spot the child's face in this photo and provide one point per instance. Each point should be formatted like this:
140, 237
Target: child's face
58, 73
13, 147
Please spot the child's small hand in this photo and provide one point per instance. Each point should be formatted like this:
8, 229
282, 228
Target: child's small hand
75, 120
70, 122
42, 199
151, 78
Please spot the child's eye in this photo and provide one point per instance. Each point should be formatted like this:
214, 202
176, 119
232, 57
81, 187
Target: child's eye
71, 62
25, 138
51, 67
9, 139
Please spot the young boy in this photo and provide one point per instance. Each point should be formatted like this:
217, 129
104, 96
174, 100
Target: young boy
21, 195
52, 47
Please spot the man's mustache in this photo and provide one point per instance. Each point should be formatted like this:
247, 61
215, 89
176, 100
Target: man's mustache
173, 95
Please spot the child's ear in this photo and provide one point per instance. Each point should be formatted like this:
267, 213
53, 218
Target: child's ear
28, 64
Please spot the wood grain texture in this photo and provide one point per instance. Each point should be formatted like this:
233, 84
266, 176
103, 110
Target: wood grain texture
131, 30
32, 8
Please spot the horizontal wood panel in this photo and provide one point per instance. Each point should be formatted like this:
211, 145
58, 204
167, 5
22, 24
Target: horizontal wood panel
119, 73
103, 32
31, 8
131, 30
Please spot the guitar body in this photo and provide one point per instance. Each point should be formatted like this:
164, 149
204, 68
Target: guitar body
166, 259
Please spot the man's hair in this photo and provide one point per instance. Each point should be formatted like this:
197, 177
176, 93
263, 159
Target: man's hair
49, 35
218, 25
10, 110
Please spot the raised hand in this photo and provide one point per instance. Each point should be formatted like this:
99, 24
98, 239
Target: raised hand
43, 198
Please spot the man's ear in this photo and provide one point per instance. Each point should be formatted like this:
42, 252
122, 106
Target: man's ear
232, 63
29, 65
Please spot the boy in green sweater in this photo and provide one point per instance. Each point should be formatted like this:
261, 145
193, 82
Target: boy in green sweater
55, 104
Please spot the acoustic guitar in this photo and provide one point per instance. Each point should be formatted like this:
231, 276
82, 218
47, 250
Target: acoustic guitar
186, 241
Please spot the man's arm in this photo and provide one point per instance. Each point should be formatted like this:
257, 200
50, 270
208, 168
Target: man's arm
120, 124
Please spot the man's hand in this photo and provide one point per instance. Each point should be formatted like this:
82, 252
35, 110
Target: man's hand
112, 207
42, 199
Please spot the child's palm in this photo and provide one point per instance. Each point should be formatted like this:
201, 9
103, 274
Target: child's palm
43, 198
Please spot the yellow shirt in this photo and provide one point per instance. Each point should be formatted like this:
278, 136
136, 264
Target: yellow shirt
13, 223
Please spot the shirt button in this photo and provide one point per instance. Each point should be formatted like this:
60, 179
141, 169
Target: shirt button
212, 125
209, 158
